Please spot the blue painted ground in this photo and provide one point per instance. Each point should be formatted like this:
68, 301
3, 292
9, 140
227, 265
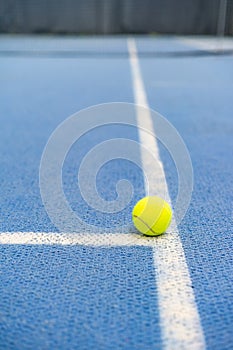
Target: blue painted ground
80, 297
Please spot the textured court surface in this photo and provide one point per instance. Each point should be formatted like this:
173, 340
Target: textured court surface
82, 296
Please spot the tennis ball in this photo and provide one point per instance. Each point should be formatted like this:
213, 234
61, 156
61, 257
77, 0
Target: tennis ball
152, 215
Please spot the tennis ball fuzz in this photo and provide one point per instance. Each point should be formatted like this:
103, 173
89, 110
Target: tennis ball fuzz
152, 215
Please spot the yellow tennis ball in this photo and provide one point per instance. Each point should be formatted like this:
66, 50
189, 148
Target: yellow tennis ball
152, 215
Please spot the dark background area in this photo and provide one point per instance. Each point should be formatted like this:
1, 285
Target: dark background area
116, 16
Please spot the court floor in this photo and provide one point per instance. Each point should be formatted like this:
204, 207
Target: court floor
97, 283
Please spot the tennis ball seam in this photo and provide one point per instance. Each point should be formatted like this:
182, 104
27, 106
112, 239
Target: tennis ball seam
150, 229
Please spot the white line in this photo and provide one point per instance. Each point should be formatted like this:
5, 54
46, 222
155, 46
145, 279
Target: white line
180, 323
212, 44
51, 238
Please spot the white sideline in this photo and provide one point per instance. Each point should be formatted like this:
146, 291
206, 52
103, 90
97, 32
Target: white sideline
180, 322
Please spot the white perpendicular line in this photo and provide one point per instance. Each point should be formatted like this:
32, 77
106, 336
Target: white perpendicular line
179, 318
87, 239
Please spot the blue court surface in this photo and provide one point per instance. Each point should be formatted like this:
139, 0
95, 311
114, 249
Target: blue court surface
111, 288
